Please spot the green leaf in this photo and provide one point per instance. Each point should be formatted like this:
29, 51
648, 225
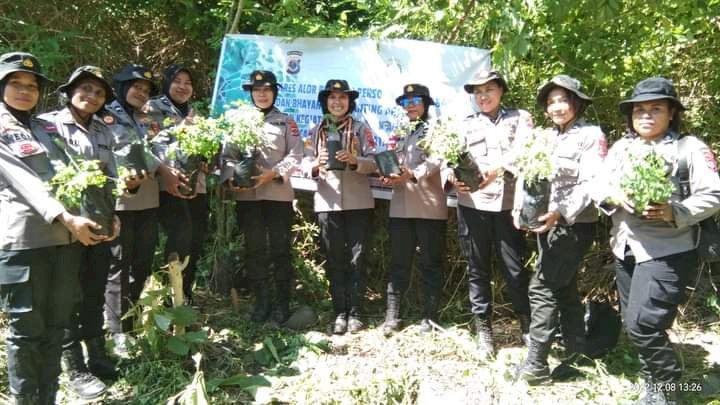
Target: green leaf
183, 315
176, 345
196, 337
268, 343
162, 321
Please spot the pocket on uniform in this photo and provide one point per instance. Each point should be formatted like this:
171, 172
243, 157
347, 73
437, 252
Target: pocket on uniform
660, 309
478, 148
14, 266
16, 298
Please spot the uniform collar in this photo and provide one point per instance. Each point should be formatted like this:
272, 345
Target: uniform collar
7, 115
576, 126
502, 112
669, 137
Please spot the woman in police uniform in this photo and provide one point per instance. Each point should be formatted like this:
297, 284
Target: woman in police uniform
655, 249
265, 211
484, 216
418, 215
567, 232
343, 201
132, 252
80, 129
39, 255
184, 219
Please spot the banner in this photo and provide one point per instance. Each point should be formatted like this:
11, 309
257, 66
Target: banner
376, 69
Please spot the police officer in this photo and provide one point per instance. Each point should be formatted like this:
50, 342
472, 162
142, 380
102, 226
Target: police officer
184, 219
567, 232
39, 253
133, 251
85, 136
484, 216
264, 211
418, 215
655, 249
343, 202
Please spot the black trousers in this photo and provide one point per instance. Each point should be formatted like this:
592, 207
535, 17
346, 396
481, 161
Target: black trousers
553, 287
199, 212
88, 318
345, 241
480, 231
650, 293
130, 265
185, 224
266, 226
39, 309
405, 235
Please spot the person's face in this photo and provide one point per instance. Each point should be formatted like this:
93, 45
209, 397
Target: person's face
262, 96
338, 103
181, 88
22, 91
488, 96
559, 107
88, 96
138, 94
414, 107
651, 119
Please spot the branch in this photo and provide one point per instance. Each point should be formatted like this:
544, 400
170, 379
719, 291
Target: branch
236, 19
456, 30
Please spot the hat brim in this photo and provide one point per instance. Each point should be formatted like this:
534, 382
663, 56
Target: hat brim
470, 87
351, 93
547, 87
108, 90
249, 86
5, 73
627, 105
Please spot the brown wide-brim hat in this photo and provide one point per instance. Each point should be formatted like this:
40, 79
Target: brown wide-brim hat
337, 85
563, 81
485, 76
653, 88
415, 90
261, 78
87, 71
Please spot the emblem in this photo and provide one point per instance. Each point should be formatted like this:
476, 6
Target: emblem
258, 77
409, 89
147, 74
337, 85
108, 119
293, 62
27, 149
294, 131
27, 62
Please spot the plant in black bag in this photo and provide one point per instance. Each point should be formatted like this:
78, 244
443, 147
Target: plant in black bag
387, 161
82, 186
647, 182
196, 143
333, 143
242, 125
443, 140
534, 164
134, 156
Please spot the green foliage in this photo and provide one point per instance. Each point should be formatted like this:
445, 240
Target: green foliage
70, 182
533, 159
201, 138
443, 140
647, 182
242, 125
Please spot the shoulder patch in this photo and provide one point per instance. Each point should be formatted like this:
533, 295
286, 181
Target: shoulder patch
49, 126
369, 138
109, 119
710, 159
294, 131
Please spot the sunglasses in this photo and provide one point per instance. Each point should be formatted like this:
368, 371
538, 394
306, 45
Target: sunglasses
411, 100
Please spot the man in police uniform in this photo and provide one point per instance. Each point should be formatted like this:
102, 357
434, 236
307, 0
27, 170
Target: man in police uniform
39, 258
265, 210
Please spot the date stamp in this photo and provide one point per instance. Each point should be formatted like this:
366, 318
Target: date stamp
688, 386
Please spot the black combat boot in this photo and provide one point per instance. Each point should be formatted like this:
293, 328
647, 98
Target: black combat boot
281, 313
574, 356
484, 336
25, 399
340, 326
80, 380
525, 329
99, 363
47, 394
429, 314
261, 311
354, 324
535, 368
392, 323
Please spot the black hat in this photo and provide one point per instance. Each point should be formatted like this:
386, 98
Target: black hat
261, 78
414, 89
337, 85
654, 88
93, 72
483, 77
564, 81
133, 72
20, 62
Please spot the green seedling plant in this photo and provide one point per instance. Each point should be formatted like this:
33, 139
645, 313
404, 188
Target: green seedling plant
647, 182
201, 138
443, 141
534, 156
242, 125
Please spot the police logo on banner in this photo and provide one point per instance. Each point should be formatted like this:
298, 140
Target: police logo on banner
293, 62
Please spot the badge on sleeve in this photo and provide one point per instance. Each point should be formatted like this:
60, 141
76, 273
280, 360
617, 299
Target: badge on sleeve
27, 149
710, 159
293, 127
369, 138
49, 127
109, 119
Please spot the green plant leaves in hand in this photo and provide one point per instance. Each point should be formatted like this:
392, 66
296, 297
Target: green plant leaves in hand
647, 182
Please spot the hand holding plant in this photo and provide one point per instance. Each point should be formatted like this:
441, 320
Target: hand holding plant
647, 184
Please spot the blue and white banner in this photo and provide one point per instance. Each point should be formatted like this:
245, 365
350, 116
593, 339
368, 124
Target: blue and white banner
376, 69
